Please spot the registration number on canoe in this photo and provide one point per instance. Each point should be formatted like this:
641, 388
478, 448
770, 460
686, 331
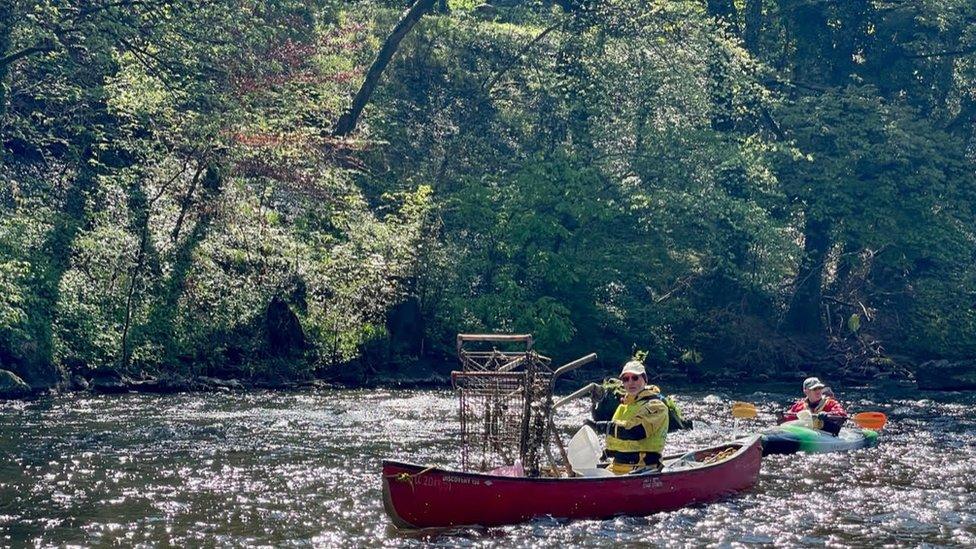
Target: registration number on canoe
461, 480
652, 483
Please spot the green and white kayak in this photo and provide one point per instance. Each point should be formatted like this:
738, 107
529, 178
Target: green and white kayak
791, 438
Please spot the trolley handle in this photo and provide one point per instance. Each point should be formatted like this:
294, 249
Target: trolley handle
572, 366
585, 390
495, 338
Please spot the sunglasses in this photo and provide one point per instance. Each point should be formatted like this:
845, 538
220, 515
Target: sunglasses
625, 379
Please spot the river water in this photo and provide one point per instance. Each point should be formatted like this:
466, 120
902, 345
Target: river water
303, 469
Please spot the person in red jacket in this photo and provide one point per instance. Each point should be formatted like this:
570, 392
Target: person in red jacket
827, 414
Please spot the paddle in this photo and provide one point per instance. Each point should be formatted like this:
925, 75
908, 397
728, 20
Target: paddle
866, 420
870, 420
744, 410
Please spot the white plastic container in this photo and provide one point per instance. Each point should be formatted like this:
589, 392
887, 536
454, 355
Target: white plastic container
584, 450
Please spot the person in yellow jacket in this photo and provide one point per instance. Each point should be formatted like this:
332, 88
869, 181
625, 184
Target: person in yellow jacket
636, 434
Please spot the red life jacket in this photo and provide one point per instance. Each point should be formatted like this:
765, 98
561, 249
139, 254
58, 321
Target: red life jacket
826, 404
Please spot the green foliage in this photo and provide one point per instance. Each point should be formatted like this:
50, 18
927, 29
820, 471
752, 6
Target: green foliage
606, 175
691, 356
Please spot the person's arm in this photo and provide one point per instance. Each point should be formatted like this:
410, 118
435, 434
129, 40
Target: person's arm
652, 417
832, 418
834, 408
790, 414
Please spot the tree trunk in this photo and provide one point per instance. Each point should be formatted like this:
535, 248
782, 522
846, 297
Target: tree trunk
724, 13
186, 203
137, 199
7, 21
845, 44
147, 259
163, 315
6, 29
724, 10
963, 122
54, 261
753, 27
347, 122
804, 312
814, 48
813, 62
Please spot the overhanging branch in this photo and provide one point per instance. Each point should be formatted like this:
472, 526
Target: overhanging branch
347, 122
40, 48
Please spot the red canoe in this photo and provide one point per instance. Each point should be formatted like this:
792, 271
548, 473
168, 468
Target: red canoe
421, 497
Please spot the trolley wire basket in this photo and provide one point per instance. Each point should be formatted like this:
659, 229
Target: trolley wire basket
506, 403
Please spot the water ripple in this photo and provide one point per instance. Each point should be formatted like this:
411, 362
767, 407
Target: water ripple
302, 469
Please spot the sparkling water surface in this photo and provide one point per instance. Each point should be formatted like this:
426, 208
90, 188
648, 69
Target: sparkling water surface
303, 469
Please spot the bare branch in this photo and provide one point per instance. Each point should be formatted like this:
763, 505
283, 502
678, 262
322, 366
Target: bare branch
955, 53
490, 82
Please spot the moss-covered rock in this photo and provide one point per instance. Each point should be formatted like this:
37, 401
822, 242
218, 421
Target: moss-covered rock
11, 386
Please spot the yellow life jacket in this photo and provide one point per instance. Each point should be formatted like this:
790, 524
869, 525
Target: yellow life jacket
642, 410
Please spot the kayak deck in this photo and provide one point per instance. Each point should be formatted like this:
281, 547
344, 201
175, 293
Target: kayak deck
790, 439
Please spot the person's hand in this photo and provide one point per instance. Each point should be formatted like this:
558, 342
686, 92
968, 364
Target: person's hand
805, 418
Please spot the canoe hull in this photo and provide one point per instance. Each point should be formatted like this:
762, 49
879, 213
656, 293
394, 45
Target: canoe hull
421, 497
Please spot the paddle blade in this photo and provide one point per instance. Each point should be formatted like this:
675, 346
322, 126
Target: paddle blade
744, 410
870, 420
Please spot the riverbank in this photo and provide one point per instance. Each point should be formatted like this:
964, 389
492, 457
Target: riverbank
109, 382
436, 374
